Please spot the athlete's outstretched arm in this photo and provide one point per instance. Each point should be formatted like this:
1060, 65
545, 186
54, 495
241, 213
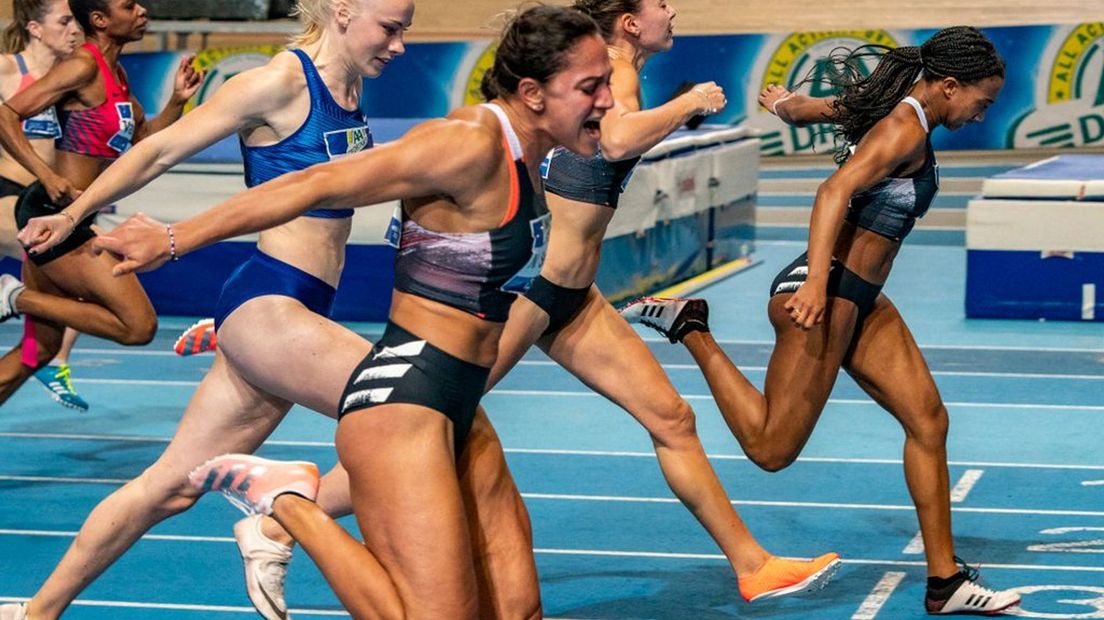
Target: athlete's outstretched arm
628, 131
408, 168
242, 102
795, 109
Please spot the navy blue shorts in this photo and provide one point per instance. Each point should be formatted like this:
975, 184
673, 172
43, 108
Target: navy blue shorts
264, 275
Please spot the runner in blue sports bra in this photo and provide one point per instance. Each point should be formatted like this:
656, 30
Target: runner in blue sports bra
406, 405
300, 109
827, 307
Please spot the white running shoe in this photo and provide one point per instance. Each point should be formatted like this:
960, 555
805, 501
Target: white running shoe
13, 611
266, 563
10, 288
252, 483
672, 317
970, 598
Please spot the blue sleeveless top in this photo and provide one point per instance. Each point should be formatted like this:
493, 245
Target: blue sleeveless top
329, 132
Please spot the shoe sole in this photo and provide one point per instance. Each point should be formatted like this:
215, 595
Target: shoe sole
61, 401
187, 351
992, 612
816, 581
252, 585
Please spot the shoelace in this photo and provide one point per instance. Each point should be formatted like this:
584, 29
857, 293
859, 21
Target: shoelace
972, 572
62, 375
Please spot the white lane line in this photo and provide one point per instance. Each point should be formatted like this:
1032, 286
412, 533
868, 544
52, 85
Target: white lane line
624, 499
833, 401
560, 452
952, 347
1092, 483
965, 485
915, 546
938, 373
878, 596
222, 609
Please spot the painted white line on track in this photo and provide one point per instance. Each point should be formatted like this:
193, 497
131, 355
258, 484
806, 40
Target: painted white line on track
965, 485
915, 546
878, 596
562, 452
223, 609
1093, 483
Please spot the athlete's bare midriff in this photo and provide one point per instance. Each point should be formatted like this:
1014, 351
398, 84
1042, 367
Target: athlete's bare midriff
575, 245
315, 245
866, 253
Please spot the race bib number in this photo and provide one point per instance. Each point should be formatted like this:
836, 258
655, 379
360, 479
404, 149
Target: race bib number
520, 282
124, 138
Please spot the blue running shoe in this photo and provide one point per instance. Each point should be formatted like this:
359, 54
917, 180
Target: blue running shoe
56, 381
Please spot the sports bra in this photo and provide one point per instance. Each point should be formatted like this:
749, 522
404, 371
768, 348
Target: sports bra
43, 125
480, 273
592, 180
106, 130
329, 132
892, 206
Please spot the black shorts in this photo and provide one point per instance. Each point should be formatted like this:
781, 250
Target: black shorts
561, 303
403, 368
842, 283
34, 202
9, 187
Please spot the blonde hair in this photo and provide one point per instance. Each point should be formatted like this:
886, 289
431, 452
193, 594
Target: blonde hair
314, 15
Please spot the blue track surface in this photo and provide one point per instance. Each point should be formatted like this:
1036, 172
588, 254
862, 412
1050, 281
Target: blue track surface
1026, 401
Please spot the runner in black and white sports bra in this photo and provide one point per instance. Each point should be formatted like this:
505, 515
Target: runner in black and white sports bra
827, 307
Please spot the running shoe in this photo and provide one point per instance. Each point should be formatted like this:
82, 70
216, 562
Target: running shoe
57, 382
672, 317
199, 338
10, 288
965, 596
252, 483
13, 611
266, 563
780, 576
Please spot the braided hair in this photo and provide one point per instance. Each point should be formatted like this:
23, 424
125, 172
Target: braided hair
961, 52
535, 44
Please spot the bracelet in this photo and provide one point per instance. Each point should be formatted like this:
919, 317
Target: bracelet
774, 106
72, 221
172, 243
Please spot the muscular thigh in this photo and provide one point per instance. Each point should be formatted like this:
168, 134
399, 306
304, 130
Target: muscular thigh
407, 500
887, 363
80, 274
9, 245
606, 354
285, 349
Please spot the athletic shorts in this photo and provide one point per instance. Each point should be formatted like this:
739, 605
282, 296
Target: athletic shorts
562, 304
34, 201
264, 275
842, 283
403, 368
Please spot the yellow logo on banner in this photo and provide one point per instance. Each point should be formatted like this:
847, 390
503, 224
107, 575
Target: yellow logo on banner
1070, 77
223, 64
790, 61
473, 94
1069, 102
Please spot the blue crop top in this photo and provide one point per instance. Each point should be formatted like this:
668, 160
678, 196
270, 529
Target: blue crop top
480, 273
891, 207
592, 180
329, 132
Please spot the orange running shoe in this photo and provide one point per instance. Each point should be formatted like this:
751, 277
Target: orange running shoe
780, 576
252, 483
199, 338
